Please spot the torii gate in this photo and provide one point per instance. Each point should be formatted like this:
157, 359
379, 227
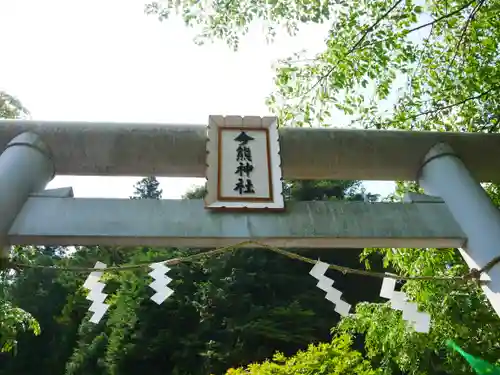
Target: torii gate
458, 213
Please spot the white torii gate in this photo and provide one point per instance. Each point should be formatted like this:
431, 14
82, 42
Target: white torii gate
457, 214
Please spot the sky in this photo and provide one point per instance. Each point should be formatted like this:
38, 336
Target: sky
105, 60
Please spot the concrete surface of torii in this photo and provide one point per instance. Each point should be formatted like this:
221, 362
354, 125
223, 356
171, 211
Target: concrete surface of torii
458, 213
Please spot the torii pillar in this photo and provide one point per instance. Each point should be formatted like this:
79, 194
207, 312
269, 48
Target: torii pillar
443, 174
25, 167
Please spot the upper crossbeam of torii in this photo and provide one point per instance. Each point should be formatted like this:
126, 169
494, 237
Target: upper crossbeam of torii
176, 150
457, 212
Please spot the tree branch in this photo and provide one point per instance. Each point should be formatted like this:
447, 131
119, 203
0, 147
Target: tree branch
462, 35
373, 26
356, 45
431, 23
437, 109
417, 68
460, 40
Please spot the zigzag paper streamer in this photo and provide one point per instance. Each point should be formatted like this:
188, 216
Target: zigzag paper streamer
325, 284
160, 282
96, 295
421, 321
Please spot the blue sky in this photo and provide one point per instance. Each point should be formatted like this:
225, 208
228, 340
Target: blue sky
105, 60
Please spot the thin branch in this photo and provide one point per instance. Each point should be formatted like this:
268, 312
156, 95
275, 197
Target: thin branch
356, 45
373, 26
417, 68
437, 109
431, 23
460, 40
462, 34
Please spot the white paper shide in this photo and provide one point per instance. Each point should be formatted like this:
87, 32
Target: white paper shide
96, 295
326, 284
420, 321
160, 282
243, 163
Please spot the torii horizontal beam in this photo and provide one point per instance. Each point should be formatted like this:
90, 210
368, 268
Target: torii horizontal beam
49, 220
127, 149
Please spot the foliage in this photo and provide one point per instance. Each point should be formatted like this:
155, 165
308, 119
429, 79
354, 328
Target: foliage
229, 19
459, 311
407, 64
413, 64
147, 188
307, 190
14, 320
230, 311
196, 193
11, 107
479, 365
335, 357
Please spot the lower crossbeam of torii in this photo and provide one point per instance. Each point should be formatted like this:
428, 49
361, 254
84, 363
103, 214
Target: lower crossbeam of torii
449, 166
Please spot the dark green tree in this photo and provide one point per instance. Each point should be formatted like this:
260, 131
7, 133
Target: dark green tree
278, 291
197, 193
147, 188
96, 343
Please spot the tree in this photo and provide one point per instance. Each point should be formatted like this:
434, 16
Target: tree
335, 357
228, 20
288, 281
68, 341
409, 65
197, 193
98, 347
147, 188
11, 107
307, 190
40, 292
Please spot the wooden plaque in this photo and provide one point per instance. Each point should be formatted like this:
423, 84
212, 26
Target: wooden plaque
243, 164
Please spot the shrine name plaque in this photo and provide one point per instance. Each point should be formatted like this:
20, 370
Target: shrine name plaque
243, 164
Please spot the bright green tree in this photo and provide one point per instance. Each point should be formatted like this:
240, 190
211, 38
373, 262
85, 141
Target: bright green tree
335, 357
